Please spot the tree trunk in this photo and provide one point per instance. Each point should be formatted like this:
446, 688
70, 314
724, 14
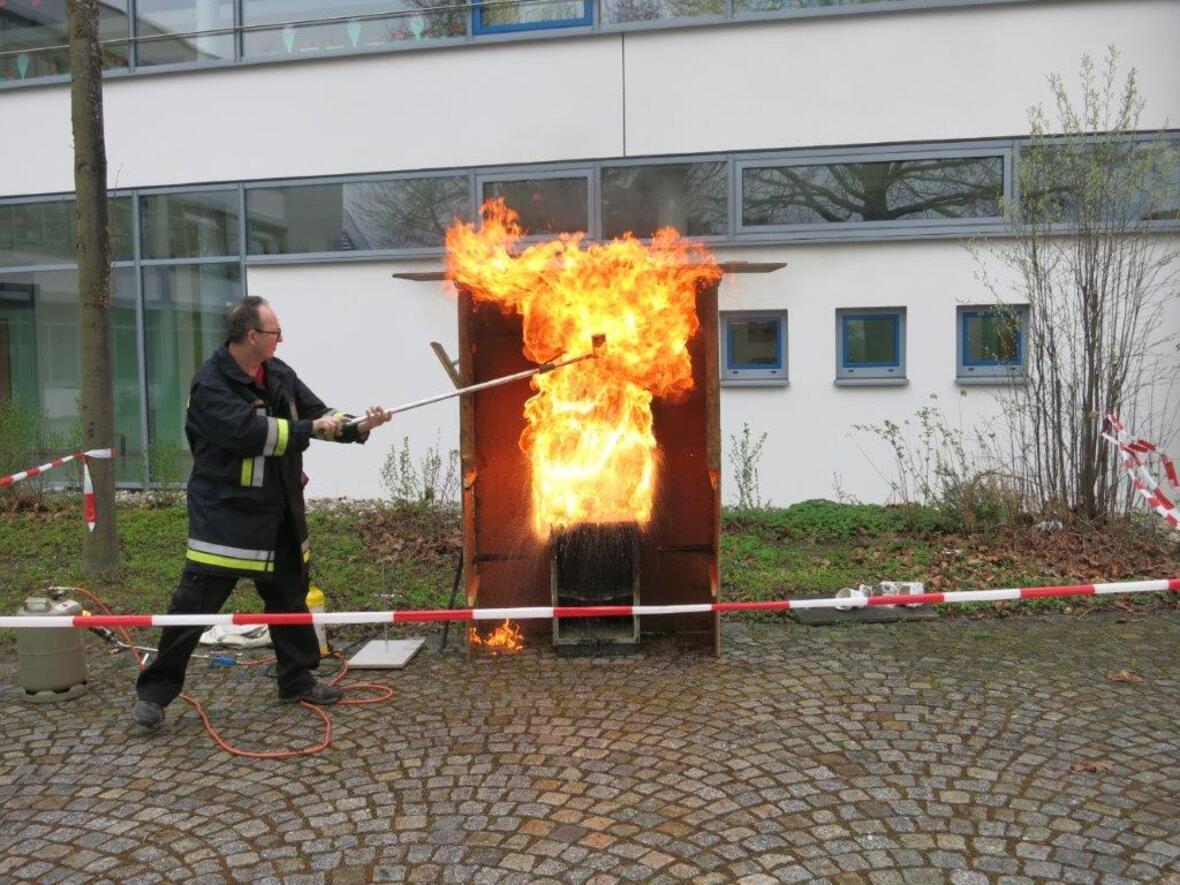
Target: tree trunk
100, 548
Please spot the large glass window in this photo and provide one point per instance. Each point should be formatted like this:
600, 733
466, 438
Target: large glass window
620, 11
870, 344
780, 5
404, 213
498, 16
1104, 182
172, 32
184, 316
43, 232
992, 341
753, 347
34, 41
40, 363
37, 233
546, 205
196, 224
895, 190
275, 28
690, 197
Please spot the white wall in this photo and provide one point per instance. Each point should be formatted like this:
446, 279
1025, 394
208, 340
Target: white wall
851, 79
504, 103
357, 337
809, 424
360, 337
846, 79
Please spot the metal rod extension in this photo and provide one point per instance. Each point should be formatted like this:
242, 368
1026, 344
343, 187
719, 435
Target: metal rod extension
598, 340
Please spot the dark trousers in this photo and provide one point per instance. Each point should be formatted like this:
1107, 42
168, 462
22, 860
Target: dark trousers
296, 647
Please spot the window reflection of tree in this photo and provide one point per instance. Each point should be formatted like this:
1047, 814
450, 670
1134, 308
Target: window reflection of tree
653, 10
402, 213
444, 23
496, 13
772, 5
690, 197
545, 205
961, 187
1052, 178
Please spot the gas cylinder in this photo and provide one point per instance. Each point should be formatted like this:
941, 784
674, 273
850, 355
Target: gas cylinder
51, 663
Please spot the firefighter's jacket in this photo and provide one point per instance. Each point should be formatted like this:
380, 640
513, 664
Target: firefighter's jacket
247, 445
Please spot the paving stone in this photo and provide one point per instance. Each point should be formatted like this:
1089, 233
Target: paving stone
918, 752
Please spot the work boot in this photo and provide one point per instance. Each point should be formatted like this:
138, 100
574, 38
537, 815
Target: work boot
148, 714
318, 693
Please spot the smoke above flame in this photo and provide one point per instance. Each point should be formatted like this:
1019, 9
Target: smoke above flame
589, 435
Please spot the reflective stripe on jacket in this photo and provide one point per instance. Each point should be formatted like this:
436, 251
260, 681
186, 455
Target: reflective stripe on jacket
247, 445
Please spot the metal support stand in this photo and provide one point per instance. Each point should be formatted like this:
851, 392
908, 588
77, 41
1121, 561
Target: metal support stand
451, 603
385, 653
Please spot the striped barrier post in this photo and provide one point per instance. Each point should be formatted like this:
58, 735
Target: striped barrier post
412, 616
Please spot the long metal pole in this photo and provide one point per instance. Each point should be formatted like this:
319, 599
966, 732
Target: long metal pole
495, 382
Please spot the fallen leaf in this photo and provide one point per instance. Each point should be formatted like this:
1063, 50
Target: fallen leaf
1124, 676
1095, 765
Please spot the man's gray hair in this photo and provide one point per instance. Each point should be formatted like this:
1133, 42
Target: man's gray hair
242, 317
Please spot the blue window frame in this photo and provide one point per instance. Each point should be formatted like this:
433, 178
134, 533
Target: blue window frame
870, 344
510, 16
754, 347
991, 341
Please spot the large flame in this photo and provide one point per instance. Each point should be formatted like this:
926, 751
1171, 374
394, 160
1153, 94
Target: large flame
589, 432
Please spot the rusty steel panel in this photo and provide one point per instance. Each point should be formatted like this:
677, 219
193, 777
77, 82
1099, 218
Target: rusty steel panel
505, 565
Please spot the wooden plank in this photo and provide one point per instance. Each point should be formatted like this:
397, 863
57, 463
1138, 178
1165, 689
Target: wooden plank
433, 276
707, 312
752, 266
468, 475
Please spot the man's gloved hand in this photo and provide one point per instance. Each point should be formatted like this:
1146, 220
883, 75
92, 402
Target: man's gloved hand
327, 427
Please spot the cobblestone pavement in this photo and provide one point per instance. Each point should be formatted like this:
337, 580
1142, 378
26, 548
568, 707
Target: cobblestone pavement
948, 751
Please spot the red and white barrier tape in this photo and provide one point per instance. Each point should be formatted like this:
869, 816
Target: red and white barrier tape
1134, 452
411, 616
56, 462
89, 507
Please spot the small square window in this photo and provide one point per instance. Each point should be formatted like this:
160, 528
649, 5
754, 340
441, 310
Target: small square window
991, 341
753, 347
870, 344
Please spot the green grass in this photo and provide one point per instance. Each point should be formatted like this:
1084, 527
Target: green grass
361, 556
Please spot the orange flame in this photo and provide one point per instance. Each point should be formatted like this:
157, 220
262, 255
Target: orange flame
589, 432
507, 637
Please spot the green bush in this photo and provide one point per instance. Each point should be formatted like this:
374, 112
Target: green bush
23, 444
430, 484
745, 454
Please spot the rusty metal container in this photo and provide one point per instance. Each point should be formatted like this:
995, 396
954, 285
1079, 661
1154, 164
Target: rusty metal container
506, 565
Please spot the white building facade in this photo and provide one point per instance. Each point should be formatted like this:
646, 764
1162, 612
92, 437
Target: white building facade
306, 151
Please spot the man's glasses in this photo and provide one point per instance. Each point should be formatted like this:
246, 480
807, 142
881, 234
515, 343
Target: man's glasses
277, 332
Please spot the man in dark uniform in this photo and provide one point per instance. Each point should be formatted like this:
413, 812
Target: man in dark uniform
248, 421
